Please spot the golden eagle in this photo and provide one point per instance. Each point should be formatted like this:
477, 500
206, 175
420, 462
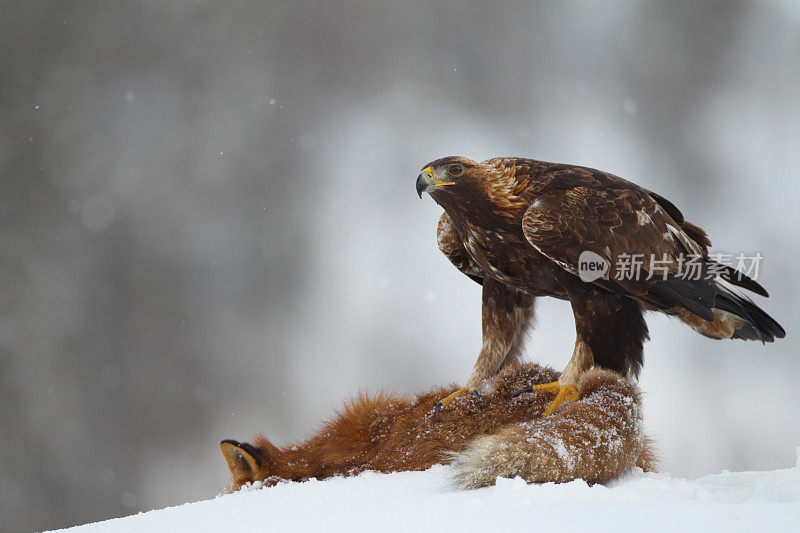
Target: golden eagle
524, 228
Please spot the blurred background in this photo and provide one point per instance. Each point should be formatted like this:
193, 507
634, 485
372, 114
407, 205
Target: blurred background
210, 229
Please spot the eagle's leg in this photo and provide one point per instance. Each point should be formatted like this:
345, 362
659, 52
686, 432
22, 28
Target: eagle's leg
565, 388
611, 331
506, 315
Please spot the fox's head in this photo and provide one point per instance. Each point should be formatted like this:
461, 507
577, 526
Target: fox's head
248, 463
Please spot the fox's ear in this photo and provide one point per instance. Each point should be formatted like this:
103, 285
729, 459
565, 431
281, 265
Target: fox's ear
242, 458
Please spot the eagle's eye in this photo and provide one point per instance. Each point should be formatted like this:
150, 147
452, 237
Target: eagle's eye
455, 170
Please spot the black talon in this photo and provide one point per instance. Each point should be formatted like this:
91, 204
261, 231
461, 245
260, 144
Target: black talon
523, 391
436, 410
478, 399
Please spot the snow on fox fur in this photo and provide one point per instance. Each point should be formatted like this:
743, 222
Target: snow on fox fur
597, 438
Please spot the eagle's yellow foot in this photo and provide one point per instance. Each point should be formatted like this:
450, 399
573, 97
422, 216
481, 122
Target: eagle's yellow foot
562, 392
444, 402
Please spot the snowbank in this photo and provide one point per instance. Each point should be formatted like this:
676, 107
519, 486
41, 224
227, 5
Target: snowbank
423, 501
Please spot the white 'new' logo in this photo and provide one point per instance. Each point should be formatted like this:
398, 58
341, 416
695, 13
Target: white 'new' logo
591, 266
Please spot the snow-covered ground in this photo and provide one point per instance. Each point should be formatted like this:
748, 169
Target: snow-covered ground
424, 501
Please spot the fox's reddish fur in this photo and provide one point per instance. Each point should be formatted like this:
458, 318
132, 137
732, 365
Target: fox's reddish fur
597, 438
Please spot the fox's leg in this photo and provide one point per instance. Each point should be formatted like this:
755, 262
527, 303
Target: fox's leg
598, 438
506, 315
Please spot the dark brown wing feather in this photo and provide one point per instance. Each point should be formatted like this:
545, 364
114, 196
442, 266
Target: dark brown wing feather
583, 209
698, 235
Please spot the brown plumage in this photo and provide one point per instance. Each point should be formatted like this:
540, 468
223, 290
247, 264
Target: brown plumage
597, 438
519, 227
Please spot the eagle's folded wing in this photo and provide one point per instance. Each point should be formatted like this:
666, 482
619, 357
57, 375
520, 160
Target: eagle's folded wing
625, 227
451, 246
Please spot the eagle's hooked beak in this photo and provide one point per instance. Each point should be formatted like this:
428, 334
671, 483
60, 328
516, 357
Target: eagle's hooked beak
427, 183
424, 182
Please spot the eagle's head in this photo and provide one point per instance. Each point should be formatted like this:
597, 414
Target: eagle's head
449, 177
458, 183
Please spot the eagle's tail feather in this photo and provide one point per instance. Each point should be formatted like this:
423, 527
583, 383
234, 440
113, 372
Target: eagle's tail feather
740, 279
695, 296
757, 325
715, 309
